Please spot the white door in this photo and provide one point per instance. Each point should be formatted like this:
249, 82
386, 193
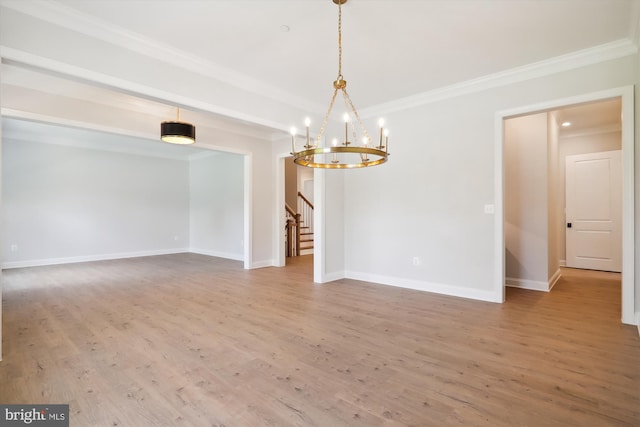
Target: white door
594, 211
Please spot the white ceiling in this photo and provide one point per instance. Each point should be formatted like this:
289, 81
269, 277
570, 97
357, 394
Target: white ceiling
392, 48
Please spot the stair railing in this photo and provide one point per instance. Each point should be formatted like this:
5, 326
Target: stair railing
293, 231
305, 207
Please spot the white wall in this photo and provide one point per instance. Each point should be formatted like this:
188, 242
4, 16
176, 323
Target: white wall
258, 175
216, 212
305, 175
66, 204
445, 150
261, 173
334, 223
427, 202
526, 198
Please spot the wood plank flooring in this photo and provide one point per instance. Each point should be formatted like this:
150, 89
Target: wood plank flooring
191, 340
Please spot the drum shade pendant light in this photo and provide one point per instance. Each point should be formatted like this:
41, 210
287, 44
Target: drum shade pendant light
178, 132
352, 152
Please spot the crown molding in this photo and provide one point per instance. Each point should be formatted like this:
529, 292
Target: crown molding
58, 14
581, 58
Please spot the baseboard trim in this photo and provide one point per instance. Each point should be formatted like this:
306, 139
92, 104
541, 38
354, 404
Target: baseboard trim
419, 285
89, 258
331, 277
217, 254
562, 263
554, 279
532, 285
638, 321
262, 264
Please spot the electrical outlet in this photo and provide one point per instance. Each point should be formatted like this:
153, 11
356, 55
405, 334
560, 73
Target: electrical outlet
14, 248
416, 261
489, 209
176, 238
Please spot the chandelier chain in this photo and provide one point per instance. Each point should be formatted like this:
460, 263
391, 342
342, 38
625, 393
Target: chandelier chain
339, 40
326, 117
355, 112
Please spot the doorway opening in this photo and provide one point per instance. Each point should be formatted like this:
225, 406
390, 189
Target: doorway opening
299, 211
534, 229
298, 235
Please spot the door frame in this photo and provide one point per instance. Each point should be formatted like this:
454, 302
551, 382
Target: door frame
628, 196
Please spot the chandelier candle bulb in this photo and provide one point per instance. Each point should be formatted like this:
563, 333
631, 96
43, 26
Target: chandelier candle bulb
346, 128
381, 124
335, 155
386, 139
307, 123
365, 141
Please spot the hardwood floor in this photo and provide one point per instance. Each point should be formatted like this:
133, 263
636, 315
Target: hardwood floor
190, 340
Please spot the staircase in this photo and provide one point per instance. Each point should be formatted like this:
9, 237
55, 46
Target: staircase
305, 207
306, 241
300, 228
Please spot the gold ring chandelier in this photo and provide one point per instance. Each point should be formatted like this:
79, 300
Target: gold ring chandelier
352, 152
